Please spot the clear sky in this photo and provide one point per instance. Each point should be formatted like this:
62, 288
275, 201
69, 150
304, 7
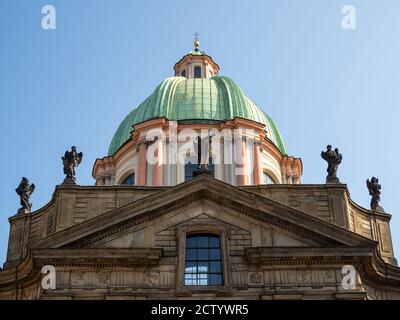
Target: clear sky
320, 83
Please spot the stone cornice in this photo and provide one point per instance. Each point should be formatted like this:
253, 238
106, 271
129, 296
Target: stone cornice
367, 211
366, 259
307, 255
189, 57
29, 271
98, 256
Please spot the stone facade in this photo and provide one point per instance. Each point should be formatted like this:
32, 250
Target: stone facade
128, 242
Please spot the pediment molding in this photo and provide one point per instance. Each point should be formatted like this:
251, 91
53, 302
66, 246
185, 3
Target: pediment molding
274, 222
203, 188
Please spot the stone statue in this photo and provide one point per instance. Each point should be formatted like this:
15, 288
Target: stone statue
202, 166
334, 158
374, 189
71, 160
24, 191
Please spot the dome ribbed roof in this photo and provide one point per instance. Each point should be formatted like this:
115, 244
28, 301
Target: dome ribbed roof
178, 98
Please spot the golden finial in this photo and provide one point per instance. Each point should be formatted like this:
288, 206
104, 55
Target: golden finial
196, 41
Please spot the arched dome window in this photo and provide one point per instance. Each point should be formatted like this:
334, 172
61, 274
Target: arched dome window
267, 179
191, 167
197, 72
129, 180
183, 73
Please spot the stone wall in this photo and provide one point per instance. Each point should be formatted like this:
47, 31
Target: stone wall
69, 206
332, 203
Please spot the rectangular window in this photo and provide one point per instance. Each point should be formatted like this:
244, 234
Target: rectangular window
190, 168
197, 72
203, 261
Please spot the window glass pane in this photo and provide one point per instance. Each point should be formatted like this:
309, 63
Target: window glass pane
202, 254
190, 267
215, 267
197, 72
192, 167
191, 243
267, 179
191, 254
215, 279
202, 267
130, 180
189, 169
190, 280
202, 279
202, 242
203, 276
215, 254
189, 276
214, 242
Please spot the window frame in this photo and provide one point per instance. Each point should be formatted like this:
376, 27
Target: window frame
217, 230
198, 260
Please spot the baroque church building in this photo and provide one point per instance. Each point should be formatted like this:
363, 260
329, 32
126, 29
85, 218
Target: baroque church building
237, 223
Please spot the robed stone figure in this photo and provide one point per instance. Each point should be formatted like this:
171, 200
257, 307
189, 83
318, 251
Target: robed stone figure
374, 189
24, 191
71, 160
334, 158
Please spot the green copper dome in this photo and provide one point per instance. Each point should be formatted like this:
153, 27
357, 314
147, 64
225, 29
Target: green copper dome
178, 98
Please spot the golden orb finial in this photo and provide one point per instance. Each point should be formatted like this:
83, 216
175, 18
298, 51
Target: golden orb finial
196, 41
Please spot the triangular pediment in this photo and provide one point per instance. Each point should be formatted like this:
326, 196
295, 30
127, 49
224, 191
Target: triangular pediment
207, 215
190, 200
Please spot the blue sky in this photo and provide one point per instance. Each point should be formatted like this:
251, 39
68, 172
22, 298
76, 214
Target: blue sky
320, 83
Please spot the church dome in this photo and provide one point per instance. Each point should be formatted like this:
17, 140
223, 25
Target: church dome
197, 100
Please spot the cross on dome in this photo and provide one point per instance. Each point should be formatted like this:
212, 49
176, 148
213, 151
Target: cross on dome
196, 41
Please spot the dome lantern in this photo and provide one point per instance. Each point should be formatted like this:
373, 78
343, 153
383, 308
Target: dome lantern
196, 64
